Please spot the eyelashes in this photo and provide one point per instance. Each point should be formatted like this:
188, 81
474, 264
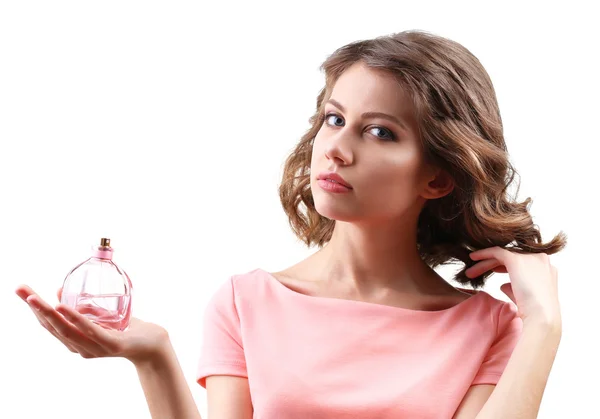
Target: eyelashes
389, 134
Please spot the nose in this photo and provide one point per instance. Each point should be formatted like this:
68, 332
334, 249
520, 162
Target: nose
339, 148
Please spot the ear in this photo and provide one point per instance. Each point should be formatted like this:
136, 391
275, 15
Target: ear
438, 183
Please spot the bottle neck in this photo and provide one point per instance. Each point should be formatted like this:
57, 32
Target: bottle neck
103, 253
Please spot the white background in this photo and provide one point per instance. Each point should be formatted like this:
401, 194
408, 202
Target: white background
164, 126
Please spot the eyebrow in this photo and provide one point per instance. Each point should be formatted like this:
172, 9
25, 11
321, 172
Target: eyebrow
367, 115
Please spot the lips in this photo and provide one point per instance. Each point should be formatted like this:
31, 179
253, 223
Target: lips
334, 177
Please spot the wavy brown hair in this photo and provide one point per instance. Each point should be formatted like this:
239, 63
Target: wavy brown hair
460, 128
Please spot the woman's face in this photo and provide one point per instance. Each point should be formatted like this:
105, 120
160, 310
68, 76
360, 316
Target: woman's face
379, 156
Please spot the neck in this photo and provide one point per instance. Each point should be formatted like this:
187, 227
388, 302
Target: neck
377, 256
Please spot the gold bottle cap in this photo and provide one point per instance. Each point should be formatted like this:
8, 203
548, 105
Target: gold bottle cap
105, 242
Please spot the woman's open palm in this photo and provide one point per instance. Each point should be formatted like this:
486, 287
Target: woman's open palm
141, 340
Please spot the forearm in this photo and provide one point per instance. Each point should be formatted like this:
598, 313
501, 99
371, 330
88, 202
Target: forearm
166, 390
519, 391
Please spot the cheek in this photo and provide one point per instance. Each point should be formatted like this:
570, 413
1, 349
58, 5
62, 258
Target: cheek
397, 172
391, 178
317, 151
317, 142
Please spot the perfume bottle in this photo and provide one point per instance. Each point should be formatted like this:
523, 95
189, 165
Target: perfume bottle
99, 289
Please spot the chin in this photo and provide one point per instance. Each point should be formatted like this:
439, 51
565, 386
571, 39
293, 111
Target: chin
333, 206
337, 211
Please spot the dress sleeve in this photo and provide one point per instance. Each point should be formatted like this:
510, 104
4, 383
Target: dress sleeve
508, 330
222, 350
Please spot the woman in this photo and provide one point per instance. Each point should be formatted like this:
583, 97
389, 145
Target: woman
404, 168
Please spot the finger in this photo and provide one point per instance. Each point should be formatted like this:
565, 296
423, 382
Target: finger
64, 329
482, 267
495, 252
97, 333
42, 320
59, 293
507, 289
24, 291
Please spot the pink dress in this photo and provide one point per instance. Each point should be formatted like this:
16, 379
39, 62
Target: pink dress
321, 357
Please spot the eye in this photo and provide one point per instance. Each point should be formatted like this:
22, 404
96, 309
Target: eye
330, 115
387, 134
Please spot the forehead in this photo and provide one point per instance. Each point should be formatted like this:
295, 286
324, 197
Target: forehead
363, 89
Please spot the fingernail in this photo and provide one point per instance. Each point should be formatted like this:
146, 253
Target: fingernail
34, 304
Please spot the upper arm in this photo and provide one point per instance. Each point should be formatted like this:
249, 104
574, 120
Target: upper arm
222, 365
473, 401
228, 397
508, 331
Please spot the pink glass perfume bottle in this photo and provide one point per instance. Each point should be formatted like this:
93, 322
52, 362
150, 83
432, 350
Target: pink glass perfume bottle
99, 289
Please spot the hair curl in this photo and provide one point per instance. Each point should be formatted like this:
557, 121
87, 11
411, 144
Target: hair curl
461, 131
